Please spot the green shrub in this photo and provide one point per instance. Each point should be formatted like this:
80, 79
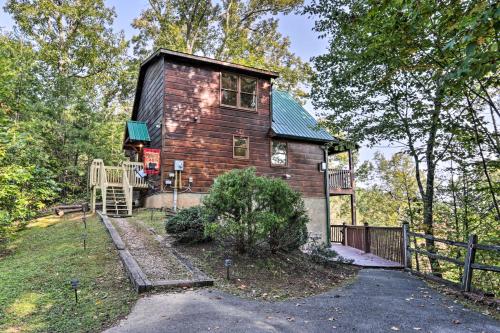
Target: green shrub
188, 226
253, 211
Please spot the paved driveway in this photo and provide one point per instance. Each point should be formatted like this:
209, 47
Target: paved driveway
379, 301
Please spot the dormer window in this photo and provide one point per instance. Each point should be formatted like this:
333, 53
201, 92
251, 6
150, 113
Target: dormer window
238, 91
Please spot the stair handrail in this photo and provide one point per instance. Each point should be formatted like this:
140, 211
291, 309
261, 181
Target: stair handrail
127, 190
94, 173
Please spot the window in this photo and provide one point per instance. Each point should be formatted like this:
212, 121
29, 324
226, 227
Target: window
239, 91
240, 147
279, 153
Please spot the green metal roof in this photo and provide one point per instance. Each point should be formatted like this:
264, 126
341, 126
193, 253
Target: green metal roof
291, 120
137, 131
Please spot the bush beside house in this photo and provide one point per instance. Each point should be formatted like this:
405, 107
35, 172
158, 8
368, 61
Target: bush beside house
188, 226
247, 212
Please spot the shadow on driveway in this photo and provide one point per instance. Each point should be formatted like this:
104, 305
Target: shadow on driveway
378, 301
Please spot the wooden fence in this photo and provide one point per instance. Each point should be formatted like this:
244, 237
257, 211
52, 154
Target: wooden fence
385, 242
468, 265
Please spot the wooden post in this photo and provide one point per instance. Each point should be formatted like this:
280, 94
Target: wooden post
344, 234
353, 197
469, 260
406, 246
103, 195
92, 199
366, 237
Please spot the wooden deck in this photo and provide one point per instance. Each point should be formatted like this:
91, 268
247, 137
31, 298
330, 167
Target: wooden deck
362, 259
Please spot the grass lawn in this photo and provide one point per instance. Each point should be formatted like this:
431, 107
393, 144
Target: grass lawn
35, 293
152, 218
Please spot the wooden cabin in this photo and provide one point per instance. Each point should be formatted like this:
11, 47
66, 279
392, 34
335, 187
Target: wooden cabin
207, 117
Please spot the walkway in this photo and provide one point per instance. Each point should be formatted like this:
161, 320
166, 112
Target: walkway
362, 259
378, 301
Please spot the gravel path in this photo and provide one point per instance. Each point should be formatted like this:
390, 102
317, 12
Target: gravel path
379, 301
156, 261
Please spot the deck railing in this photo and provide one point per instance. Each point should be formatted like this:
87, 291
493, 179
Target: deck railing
339, 179
126, 176
385, 242
133, 170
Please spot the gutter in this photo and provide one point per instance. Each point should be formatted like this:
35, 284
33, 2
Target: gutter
327, 195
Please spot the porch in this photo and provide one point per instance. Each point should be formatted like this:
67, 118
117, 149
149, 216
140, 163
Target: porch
116, 184
367, 246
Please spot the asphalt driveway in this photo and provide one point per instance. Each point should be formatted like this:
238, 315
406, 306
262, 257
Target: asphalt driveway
378, 301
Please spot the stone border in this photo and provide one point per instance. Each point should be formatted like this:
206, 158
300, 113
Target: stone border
139, 280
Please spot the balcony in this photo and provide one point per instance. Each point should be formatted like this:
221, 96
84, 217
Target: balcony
340, 181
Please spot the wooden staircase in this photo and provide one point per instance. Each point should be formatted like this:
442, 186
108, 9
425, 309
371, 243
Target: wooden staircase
116, 202
116, 184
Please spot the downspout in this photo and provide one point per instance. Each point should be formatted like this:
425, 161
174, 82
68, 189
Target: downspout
327, 195
271, 104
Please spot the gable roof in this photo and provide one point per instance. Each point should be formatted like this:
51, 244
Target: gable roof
137, 131
291, 120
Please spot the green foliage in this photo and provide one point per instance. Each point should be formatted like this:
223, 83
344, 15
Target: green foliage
253, 210
188, 225
244, 32
63, 91
419, 74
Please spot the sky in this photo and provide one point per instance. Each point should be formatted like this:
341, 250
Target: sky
299, 28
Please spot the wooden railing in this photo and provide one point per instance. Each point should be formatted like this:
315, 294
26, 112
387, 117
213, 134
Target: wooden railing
127, 190
114, 175
133, 170
339, 179
468, 265
385, 242
126, 176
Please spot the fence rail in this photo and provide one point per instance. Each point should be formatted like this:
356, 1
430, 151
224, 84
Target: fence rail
468, 265
385, 242
340, 179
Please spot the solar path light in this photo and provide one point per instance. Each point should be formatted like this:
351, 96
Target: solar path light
74, 286
228, 263
84, 237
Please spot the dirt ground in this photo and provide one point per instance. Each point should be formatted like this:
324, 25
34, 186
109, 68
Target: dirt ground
270, 277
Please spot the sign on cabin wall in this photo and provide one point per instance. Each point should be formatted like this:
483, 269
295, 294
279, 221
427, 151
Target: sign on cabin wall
151, 161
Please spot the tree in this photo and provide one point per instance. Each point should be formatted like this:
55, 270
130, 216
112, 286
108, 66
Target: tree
238, 31
80, 60
394, 73
62, 102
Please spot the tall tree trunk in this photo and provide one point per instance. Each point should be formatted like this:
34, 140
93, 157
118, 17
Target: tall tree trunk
483, 161
428, 199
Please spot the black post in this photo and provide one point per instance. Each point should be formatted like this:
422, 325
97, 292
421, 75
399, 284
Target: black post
344, 234
469, 260
366, 238
76, 296
406, 246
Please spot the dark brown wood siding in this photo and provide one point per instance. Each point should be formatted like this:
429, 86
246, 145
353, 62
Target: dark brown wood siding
200, 131
151, 101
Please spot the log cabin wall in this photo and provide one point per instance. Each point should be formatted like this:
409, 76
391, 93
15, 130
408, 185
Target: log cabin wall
150, 107
198, 130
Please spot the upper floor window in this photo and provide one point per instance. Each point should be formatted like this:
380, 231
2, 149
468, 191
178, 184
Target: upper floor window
238, 91
279, 153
